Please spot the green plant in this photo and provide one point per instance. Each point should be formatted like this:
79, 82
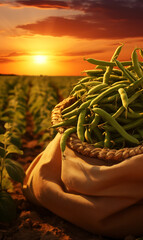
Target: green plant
42, 99
14, 171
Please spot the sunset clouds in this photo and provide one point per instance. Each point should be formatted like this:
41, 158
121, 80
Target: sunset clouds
36, 3
95, 18
43, 3
101, 19
81, 27
67, 31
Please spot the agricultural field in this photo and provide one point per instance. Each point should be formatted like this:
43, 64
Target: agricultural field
26, 103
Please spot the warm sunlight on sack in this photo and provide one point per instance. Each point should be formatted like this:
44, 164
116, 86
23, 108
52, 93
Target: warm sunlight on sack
101, 198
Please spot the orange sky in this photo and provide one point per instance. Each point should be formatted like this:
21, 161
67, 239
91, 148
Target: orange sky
64, 32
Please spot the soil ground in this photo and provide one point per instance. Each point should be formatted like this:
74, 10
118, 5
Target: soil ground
34, 223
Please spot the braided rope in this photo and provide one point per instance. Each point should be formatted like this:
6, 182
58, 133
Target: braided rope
87, 149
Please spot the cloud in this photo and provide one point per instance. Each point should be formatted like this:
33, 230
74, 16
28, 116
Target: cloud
57, 26
99, 19
83, 53
113, 8
81, 27
11, 57
37, 3
4, 2
16, 54
6, 60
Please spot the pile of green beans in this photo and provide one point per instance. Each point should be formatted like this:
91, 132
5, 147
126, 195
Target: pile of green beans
108, 107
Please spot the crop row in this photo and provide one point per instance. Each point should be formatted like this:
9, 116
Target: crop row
42, 99
37, 95
18, 96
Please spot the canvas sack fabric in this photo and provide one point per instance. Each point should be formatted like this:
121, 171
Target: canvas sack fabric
99, 197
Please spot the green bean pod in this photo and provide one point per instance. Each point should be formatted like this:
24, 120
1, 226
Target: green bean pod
71, 113
79, 87
134, 115
128, 126
130, 68
65, 136
94, 72
135, 96
124, 97
85, 104
95, 89
77, 110
99, 144
119, 64
118, 72
68, 122
98, 133
76, 88
85, 84
95, 121
116, 78
110, 99
100, 79
121, 82
107, 139
115, 115
133, 124
133, 86
85, 79
80, 125
136, 106
105, 63
88, 135
121, 139
101, 67
116, 125
91, 96
136, 63
71, 107
141, 52
78, 94
105, 93
118, 112
109, 68
123, 120
131, 75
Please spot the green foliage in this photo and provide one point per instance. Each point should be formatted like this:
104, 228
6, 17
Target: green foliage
44, 95
7, 183
19, 94
42, 100
38, 95
63, 84
7, 148
14, 170
9, 169
7, 207
14, 110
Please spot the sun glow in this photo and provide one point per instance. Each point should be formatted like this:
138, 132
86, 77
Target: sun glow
40, 59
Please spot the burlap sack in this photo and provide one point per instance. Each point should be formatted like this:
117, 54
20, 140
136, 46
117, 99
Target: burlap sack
98, 197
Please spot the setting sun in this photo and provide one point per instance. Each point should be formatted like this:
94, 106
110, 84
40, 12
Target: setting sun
40, 59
